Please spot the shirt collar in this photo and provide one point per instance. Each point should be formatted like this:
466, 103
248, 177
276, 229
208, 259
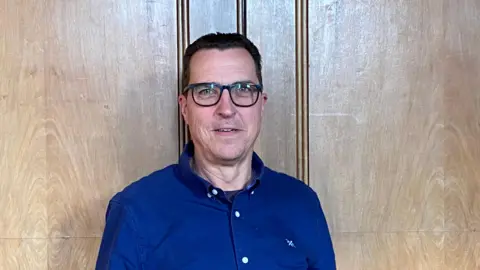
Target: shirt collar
200, 185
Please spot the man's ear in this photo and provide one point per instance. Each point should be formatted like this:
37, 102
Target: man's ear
264, 98
182, 102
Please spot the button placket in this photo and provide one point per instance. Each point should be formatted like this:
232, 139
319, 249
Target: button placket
237, 215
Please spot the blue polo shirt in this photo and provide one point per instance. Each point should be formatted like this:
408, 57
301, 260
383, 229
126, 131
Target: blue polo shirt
173, 219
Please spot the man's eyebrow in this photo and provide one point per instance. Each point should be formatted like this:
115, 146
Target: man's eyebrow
247, 81
201, 83
207, 82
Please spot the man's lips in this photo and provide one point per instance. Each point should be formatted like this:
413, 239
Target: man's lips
226, 129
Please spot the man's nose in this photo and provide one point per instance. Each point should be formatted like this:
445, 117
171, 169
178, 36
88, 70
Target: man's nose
225, 106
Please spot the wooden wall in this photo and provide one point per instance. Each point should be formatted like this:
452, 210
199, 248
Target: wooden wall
395, 131
375, 104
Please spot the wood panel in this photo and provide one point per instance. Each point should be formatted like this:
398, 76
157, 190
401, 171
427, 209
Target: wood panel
212, 16
73, 253
462, 250
22, 112
23, 254
23, 168
271, 26
84, 166
462, 110
22, 39
394, 113
111, 108
379, 251
376, 98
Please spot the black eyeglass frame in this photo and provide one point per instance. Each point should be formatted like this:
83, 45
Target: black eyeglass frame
222, 87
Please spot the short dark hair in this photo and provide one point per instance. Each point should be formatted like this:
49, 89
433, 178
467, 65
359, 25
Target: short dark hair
220, 41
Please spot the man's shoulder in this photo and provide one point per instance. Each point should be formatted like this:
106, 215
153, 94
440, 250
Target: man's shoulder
292, 199
149, 186
286, 186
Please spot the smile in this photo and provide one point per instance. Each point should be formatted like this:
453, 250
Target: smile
226, 130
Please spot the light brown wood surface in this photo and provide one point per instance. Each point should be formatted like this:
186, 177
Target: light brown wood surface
377, 121
73, 253
211, 16
23, 193
395, 133
88, 104
271, 26
461, 81
111, 105
24, 254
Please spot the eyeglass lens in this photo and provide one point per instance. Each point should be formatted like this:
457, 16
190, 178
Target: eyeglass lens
242, 94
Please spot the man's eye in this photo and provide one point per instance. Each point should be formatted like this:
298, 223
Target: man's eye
205, 91
246, 88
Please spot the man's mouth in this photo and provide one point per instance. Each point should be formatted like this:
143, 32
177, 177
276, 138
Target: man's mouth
226, 130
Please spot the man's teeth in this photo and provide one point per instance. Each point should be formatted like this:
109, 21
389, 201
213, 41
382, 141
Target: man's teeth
225, 129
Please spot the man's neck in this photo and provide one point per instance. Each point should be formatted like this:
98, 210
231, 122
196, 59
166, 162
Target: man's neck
229, 177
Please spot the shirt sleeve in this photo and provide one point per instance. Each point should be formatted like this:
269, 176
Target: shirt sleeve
322, 256
119, 248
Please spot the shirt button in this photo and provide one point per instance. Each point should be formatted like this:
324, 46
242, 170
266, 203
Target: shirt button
237, 214
253, 191
209, 195
245, 259
215, 192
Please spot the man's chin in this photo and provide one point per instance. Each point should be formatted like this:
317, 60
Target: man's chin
230, 153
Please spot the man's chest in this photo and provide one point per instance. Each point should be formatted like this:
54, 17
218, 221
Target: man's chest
223, 238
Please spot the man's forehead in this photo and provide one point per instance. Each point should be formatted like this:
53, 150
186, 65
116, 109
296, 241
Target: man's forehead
223, 56
222, 66
224, 77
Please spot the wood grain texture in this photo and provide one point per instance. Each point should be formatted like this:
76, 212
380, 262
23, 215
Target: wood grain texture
83, 166
271, 26
23, 254
23, 169
22, 111
22, 39
376, 99
462, 110
379, 251
73, 253
111, 85
212, 16
462, 250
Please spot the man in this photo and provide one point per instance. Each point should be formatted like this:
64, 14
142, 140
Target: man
219, 207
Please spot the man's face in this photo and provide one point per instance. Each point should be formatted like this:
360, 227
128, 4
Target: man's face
223, 131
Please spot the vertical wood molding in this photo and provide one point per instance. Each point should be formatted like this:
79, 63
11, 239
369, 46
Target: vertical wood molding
242, 17
301, 80
183, 35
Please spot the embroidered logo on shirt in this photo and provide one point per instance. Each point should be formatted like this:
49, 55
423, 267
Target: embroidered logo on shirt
290, 243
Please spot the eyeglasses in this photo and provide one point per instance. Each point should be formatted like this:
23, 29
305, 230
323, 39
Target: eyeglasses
242, 94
